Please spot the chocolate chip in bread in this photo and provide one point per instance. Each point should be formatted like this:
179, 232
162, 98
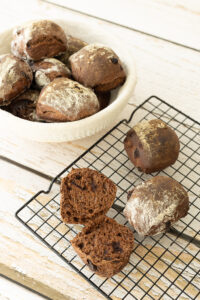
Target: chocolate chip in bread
152, 145
85, 195
104, 246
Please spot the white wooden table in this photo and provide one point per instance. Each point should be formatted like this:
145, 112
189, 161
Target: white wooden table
167, 70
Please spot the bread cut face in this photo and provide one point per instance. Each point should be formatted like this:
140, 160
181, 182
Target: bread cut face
104, 246
85, 195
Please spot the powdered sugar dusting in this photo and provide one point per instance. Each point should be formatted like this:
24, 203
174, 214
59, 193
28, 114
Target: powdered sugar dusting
8, 74
92, 50
17, 42
29, 31
148, 129
41, 75
7, 67
70, 98
41, 78
95, 46
56, 65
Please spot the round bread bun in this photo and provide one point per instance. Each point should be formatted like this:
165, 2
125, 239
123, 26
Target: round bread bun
155, 205
98, 67
152, 145
38, 40
66, 100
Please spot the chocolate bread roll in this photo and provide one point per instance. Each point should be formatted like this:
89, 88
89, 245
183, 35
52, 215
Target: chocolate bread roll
66, 100
38, 40
156, 204
98, 67
152, 145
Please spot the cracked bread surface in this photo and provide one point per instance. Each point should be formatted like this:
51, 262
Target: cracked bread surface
104, 246
85, 195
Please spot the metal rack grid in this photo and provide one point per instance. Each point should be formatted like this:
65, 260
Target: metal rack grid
160, 267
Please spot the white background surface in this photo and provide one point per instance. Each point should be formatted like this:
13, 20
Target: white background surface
164, 69
154, 17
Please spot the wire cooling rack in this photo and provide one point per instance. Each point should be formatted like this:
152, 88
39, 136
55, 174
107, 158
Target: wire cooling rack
160, 267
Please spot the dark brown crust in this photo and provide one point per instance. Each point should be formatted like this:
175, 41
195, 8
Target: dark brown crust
15, 79
103, 98
46, 47
24, 106
162, 151
111, 85
105, 246
162, 199
49, 113
97, 67
73, 45
45, 39
85, 195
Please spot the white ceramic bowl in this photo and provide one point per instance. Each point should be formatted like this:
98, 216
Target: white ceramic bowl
68, 131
